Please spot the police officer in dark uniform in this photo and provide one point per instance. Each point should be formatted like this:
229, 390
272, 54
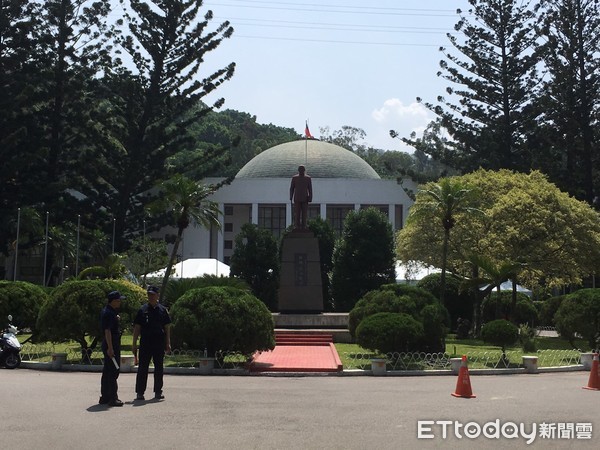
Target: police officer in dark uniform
111, 347
152, 324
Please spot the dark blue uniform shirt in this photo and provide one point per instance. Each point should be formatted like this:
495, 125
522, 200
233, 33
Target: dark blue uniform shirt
152, 321
109, 321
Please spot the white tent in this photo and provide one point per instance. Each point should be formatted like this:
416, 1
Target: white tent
507, 286
412, 271
193, 268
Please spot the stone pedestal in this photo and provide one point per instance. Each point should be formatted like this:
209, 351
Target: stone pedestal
300, 287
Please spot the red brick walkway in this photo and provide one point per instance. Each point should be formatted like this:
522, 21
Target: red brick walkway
299, 354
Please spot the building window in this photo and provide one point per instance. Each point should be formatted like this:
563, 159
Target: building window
228, 227
336, 216
314, 212
272, 218
228, 244
228, 210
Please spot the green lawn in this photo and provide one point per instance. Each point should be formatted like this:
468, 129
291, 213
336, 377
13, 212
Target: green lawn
352, 355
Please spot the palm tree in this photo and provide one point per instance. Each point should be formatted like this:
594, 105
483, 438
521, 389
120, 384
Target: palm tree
443, 201
187, 201
493, 276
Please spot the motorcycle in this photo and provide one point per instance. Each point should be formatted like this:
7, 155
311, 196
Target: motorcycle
10, 347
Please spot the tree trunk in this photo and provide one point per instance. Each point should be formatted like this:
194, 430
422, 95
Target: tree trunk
170, 265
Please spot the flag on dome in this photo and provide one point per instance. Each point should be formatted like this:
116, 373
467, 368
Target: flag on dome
307, 132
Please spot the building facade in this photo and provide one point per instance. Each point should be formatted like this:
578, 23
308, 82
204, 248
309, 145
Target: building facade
342, 182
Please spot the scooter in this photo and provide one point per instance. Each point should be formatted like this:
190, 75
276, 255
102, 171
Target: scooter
10, 347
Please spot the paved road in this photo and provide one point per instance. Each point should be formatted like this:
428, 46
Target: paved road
49, 410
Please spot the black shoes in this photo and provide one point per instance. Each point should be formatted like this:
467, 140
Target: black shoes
103, 401
116, 402
140, 397
159, 396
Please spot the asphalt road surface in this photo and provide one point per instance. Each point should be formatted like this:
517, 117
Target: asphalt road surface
51, 410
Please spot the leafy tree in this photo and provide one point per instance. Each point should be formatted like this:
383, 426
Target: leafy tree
363, 258
222, 319
527, 219
179, 287
579, 313
501, 333
442, 202
187, 201
255, 260
146, 255
23, 301
111, 268
488, 112
73, 311
568, 96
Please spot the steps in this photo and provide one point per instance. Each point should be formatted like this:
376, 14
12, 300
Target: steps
299, 352
286, 338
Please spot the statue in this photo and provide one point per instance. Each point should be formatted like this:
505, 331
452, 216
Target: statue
301, 195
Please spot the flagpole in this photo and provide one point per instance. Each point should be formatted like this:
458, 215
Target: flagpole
306, 145
17, 243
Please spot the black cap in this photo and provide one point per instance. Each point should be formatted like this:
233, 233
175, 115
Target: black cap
114, 295
152, 289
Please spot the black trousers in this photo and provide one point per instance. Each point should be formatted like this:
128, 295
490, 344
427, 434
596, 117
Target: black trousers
155, 351
108, 382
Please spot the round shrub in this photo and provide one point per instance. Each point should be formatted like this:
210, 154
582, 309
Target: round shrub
222, 318
21, 300
389, 332
579, 313
500, 332
73, 310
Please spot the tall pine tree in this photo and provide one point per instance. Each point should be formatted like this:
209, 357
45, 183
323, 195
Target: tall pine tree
157, 102
488, 112
568, 135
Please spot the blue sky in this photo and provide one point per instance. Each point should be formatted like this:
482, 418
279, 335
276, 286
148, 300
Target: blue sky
335, 62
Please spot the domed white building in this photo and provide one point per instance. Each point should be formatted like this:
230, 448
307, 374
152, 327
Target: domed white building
342, 182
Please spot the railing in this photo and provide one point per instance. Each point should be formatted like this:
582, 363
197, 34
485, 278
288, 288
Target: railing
477, 360
397, 361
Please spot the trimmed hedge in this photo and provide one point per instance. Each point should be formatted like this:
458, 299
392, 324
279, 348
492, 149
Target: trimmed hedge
73, 310
500, 332
389, 332
579, 313
222, 318
23, 301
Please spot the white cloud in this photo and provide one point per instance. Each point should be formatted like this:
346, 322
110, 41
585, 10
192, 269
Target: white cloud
395, 115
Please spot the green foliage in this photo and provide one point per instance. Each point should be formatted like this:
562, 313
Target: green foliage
21, 300
500, 332
73, 310
326, 236
458, 302
178, 287
527, 219
222, 318
255, 260
525, 311
548, 310
389, 332
527, 338
363, 259
579, 313
111, 268
146, 255
409, 300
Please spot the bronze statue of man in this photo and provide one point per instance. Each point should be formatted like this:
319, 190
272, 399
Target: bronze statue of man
301, 195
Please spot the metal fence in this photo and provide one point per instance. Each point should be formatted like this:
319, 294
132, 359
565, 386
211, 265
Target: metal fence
351, 361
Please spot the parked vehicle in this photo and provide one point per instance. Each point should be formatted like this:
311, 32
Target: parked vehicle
10, 347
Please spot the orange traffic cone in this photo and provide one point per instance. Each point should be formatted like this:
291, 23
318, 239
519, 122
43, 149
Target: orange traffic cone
463, 384
594, 381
